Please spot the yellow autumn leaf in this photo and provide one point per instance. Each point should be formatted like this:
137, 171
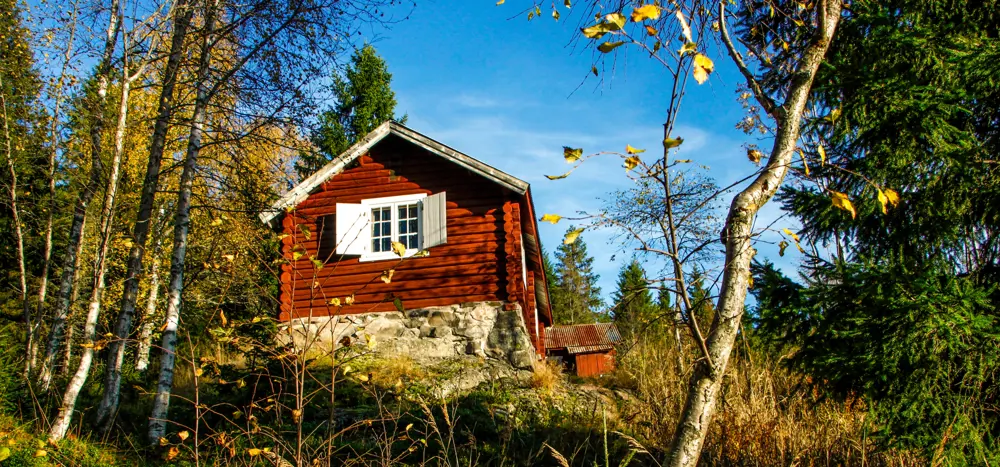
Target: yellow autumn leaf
609, 46
387, 275
164, 441
335, 301
703, 67
222, 318
216, 222
685, 29
629, 149
555, 14
805, 164
750, 281
173, 453
755, 156
670, 143
500, 2
199, 371
253, 452
597, 30
229, 258
822, 153
4, 453
349, 300
558, 177
651, 30
399, 249
687, 48
883, 200
645, 12
892, 197
568, 4
791, 234
631, 162
296, 415
781, 247
296, 255
184, 435
363, 378
841, 201
572, 154
571, 236
551, 218
616, 19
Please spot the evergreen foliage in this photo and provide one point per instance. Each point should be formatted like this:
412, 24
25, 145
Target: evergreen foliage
905, 315
25, 121
634, 309
365, 100
576, 298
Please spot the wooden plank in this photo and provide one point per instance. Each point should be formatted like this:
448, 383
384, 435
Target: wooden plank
337, 288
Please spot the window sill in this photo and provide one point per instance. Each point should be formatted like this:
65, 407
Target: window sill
386, 255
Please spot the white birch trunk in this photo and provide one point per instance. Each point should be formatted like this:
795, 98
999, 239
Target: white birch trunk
70, 326
149, 317
80, 212
62, 421
112, 381
43, 285
161, 401
18, 233
737, 235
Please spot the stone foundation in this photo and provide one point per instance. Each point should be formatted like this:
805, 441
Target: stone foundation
483, 329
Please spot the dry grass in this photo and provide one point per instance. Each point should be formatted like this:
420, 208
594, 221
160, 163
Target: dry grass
767, 415
546, 375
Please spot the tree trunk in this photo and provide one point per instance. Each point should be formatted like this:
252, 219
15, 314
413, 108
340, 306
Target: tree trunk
148, 319
43, 285
80, 211
62, 421
70, 327
161, 401
112, 381
737, 235
18, 233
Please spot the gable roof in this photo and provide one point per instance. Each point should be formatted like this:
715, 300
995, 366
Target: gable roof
582, 338
302, 191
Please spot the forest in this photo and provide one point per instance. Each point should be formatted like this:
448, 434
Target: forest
140, 291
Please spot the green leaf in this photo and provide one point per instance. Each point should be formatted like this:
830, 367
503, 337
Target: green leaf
597, 30
558, 177
593, 70
398, 303
4, 453
609, 46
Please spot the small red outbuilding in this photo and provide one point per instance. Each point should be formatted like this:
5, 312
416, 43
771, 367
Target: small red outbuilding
587, 349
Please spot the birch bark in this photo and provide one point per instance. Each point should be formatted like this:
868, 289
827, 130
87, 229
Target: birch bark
737, 235
112, 381
161, 400
80, 211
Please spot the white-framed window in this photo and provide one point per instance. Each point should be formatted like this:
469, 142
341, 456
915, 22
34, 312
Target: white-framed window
368, 229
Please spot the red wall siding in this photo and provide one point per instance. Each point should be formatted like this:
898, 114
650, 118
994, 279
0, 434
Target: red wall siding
595, 364
474, 265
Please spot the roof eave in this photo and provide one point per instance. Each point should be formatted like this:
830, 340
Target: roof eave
302, 191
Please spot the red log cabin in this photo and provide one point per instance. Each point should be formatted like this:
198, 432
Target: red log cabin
401, 222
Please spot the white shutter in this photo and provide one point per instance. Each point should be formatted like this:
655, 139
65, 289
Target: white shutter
353, 230
435, 220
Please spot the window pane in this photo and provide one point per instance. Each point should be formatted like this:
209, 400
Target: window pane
413, 211
381, 228
413, 226
413, 241
402, 228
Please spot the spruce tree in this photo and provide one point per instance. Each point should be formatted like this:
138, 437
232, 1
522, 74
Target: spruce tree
633, 302
365, 100
576, 298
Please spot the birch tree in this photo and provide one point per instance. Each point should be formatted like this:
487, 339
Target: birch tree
96, 111
57, 94
182, 13
788, 64
132, 70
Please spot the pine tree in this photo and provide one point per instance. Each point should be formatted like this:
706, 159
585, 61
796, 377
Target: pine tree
633, 302
576, 298
365, 100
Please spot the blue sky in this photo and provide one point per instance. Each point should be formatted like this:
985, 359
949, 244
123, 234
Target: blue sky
505, 91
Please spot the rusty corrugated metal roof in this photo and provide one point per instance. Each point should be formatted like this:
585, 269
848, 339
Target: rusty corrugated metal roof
591, 337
